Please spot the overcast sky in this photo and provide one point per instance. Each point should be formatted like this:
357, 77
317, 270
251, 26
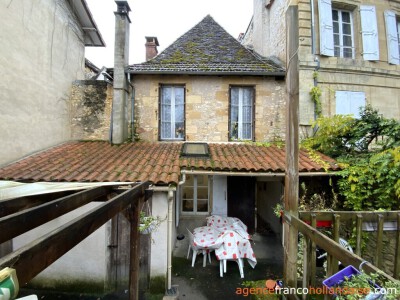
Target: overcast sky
165, 19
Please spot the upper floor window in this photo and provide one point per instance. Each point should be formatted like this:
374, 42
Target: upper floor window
172, 112
241, 121
393, 37
343, 33
349, 103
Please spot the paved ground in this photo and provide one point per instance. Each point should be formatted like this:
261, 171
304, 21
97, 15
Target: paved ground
200, 283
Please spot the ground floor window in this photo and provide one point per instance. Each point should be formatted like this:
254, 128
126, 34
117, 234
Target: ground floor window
195, 194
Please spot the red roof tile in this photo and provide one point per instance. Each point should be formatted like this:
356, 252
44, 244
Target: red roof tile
159, 162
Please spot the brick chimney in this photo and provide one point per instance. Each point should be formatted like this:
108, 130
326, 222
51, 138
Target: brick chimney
119, 126
151, 47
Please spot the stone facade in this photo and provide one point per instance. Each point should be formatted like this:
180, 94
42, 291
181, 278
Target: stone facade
378, 80
91, 104
207, 106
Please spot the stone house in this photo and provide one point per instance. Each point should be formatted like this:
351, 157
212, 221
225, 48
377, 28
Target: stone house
348, 49
43, 53
202, 114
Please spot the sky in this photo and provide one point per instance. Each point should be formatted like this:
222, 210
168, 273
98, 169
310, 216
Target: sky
165, 19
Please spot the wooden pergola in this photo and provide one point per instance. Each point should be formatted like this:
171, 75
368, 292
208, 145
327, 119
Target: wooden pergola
20, 215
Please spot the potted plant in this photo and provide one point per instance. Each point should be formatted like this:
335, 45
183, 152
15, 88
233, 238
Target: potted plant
148, 223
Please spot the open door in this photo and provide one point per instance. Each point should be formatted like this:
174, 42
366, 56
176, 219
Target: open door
241, 200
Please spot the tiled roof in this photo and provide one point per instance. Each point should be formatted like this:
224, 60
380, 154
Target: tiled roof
207, 49
159, 162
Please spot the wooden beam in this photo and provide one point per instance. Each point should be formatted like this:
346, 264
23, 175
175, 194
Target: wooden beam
292, 144
18, 223
12, 206
36, 256
333, 248
336, 228
368, 216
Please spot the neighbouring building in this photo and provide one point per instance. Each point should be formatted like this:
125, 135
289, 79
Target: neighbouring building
349, 50
43, 53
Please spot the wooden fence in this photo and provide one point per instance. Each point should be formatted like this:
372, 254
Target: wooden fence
335, 252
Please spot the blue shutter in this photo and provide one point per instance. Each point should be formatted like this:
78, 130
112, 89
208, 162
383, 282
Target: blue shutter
369, 31
392, 37
349, 103
325, 27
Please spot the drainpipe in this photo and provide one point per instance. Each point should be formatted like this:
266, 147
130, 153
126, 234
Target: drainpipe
169, 247
177, 208
312, 27
129, 81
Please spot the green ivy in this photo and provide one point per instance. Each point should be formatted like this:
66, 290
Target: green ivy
316, 93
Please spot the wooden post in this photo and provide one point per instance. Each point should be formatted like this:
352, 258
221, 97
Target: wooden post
379, 240
313, 272
134, 251
358, 234
336, 227
396, 273
306, 264
292, 145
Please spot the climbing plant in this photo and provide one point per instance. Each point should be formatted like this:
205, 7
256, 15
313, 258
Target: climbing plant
368, 150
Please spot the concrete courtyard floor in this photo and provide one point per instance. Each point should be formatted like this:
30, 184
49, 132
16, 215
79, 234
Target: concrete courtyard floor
201, 283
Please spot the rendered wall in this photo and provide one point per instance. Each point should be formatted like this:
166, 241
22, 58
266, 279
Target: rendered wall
267, 30
158, 261
207, 106
42, 54
84, 266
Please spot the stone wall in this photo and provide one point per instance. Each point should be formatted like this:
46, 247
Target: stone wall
91, 104
207, 106
377, 79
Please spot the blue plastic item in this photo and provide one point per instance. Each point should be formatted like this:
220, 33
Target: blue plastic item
337, 278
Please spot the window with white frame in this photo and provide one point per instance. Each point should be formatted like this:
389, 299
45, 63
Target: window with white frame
241, 119
392, 37
349, 103
195, 195
172, 112
336, 31
343, 33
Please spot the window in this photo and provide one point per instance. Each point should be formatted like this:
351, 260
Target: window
392, 37
172, 112
241, 113
336, 30
348, 102
342, 33
195, 194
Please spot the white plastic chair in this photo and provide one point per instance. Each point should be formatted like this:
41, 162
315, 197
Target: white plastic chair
196, 250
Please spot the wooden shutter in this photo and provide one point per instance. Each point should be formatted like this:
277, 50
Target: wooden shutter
369, 32
325, 27
392, 38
